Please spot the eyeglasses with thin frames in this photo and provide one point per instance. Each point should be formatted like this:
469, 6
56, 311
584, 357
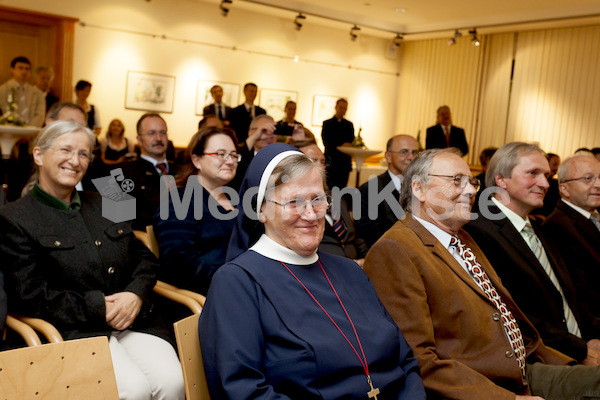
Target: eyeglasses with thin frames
224, 156
461, 180
319, 204
587, 179
68, 153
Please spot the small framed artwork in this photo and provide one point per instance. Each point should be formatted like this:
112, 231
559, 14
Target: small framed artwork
274, 100
231, 94
149, 92
323, 108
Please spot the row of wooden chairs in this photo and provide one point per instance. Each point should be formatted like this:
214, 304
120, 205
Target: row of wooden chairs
82, 368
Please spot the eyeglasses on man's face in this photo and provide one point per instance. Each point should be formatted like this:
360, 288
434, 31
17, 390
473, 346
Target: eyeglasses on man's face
319, 205
461, 180
69, 153
224, 156
587, 179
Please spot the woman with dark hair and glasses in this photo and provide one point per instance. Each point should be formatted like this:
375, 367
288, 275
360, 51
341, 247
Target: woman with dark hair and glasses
193, 237
284, 321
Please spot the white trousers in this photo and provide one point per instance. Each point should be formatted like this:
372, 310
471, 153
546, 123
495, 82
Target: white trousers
146, 367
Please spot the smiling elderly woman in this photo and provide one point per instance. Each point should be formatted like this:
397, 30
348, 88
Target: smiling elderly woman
282, 321
88, 276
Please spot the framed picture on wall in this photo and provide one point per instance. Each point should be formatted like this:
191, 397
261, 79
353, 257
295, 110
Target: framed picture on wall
323, 108
149, 92
274, 100
231, 94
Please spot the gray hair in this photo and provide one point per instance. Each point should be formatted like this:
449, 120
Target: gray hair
255, 120
418, 171
563, 169
295, 166
506, 158
46, 139
57, 107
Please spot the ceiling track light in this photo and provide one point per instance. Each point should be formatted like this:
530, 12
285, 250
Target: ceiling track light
398, 40
354, 32
475, 41
298, 21
452, 41
224, 6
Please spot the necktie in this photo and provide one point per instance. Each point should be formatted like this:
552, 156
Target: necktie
218, 111
538, 249
22, 108
338, 223
508, 320
162, 167
447, 134
596, 219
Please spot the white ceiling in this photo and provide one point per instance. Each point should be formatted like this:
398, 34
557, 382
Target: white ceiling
433, 18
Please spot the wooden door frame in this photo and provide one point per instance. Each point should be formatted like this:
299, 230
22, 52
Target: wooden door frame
64, 29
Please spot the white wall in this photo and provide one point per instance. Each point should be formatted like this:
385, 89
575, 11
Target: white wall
104, 53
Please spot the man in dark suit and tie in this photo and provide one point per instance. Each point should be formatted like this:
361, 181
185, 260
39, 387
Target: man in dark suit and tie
400, 151
469, 336
146, 171
242, 115
337, 131
525, 260
573, 227
444, 134
218, 108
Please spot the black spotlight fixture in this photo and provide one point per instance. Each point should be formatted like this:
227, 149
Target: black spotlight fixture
452, 41
299, 20
475, 41
397, 40
354, 32
224, 6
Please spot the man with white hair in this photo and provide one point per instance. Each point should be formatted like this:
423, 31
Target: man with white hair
573, 226
471, 340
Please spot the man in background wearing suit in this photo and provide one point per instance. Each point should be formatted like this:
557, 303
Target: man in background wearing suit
218, 109
521, 254
573, 227
470, 338
146, 171
337, 131
242, 115
400, 151
444, 134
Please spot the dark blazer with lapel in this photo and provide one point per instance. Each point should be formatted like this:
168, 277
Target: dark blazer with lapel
240, 120
525, 278
210, 110
449, 322
146, 189
577, 241
60, 264
370, 230
349, 246
436, 139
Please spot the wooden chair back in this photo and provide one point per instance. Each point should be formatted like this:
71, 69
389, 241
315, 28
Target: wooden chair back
188, 345
152, 242
74, 369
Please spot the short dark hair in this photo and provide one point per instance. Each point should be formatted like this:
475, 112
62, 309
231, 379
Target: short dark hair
82, 85
341, 99
247, 85
486, 155
138, 127
19, 59
214, 87
596, 150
